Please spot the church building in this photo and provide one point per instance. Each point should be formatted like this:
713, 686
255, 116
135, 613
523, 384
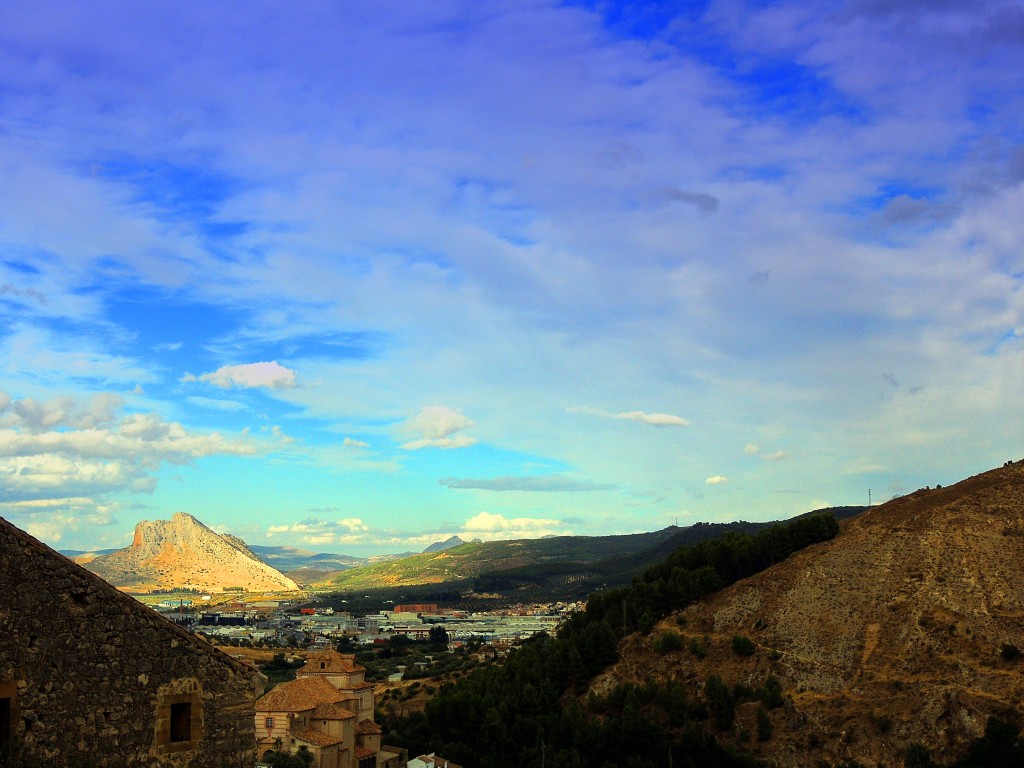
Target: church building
328, 711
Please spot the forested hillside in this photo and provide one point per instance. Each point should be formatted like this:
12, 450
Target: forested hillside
528, 711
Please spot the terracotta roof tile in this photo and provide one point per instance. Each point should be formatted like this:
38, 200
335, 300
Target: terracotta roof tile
332, 661
317, 738
333, 711
298, 695
362, 752
367, 726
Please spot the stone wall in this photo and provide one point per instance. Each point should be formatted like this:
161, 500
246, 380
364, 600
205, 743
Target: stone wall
89, 676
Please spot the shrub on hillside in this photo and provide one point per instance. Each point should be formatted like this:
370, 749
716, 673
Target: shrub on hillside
743, 646
667, 642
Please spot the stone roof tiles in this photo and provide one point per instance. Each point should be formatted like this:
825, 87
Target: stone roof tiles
328, 662
299, 695
365, 727
333, 711
317, 738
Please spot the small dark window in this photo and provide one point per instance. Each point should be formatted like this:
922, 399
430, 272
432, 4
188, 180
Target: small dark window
181, 722
323, 665
5, 721
270, 722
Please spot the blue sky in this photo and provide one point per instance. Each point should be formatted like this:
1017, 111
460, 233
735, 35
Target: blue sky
357, 277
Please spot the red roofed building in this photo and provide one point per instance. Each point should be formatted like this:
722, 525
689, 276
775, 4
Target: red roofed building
341, 671
327, 710
416, 608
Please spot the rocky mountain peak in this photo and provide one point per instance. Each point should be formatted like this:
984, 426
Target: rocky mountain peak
440, 546
183, 552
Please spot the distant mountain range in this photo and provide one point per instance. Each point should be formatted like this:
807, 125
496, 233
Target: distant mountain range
287, 559
538, 570
183, 552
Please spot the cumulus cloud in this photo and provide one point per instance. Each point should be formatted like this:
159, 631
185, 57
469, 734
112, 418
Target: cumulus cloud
537, 483
314, 530
65, 449
265, 375
34, 416
716, 480
71, 518
484, 526
753, 449
353, 531
489, 527
654, 419
439, 426
351, 442
641, 417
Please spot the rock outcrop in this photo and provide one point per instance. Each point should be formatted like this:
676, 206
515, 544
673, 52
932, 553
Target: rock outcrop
184, 553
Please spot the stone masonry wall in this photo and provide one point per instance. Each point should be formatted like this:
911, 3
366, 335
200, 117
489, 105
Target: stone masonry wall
94, 678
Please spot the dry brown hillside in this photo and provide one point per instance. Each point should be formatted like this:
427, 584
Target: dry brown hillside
895, 632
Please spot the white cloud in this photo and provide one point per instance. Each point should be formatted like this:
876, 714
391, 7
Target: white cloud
30, 414
486, 522
753, 449
491, 527
716, 480
266, 375
654, 419
65, 516
485, 526
316, 531
350, 442
279, 434
439, 426
37, 504
641, 417
353, 524
63, 448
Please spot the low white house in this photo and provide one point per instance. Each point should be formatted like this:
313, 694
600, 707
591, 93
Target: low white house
431, 761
